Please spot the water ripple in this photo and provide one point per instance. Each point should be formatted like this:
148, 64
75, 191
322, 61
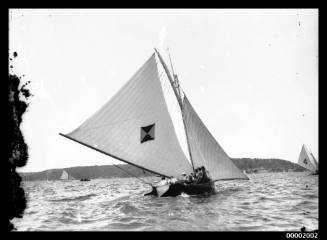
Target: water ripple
267, 202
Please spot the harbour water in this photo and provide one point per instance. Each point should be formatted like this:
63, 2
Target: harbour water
267, 202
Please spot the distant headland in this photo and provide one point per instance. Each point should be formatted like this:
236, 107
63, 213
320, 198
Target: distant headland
249, 165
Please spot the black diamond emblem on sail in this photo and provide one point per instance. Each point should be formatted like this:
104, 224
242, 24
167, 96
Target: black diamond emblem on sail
147, 133
305, 161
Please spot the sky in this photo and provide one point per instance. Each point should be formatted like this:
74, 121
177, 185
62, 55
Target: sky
250, 74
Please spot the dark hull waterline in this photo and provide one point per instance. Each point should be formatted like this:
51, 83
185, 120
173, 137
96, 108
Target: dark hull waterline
84, 180
176, 189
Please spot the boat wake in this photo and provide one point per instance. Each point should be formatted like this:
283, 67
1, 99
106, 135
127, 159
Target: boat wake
185, 195
78, 198
252, 207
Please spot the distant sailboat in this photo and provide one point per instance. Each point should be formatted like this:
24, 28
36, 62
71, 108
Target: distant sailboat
151, 124
48, 176
307, 160
65, 176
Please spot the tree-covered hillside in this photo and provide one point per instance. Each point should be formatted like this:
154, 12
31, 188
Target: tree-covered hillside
109, 171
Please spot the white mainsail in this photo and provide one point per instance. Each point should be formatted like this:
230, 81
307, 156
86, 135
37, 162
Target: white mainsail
307, 160
205, 149
150, 124
136, 127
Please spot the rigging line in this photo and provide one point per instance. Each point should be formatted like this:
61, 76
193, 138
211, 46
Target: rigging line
171, 80
132, 175
178, 96
176, 81
171, 64
113, 156
167, 88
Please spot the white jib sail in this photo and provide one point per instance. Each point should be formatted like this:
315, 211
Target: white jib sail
205, 149
135, 126
307, 160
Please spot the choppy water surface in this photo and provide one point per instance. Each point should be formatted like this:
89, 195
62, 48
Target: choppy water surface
266, 202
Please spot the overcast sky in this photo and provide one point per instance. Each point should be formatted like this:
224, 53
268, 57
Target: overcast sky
251, 75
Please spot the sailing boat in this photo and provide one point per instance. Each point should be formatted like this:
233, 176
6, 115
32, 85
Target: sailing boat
151, 124
307, 160
65, 176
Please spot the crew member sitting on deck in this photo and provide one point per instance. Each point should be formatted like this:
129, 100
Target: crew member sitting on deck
190, 178
199, 176
205, 176
184, 177
197, 172
193, 176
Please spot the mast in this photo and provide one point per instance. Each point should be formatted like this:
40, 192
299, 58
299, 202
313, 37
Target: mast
174, 75
171, 64
171, 80
179, 98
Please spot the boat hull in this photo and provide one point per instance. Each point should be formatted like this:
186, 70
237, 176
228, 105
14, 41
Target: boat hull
176, 189
84, 179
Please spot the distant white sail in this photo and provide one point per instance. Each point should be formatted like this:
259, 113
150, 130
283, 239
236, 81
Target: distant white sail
136, 125
64, 175
307, 160
205, 149
314, 160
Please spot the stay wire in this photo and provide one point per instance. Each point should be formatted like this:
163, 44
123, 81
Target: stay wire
133, 175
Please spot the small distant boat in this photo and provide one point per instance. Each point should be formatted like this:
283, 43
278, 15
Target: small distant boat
84, 179
308, 161
66, 176
151, 124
